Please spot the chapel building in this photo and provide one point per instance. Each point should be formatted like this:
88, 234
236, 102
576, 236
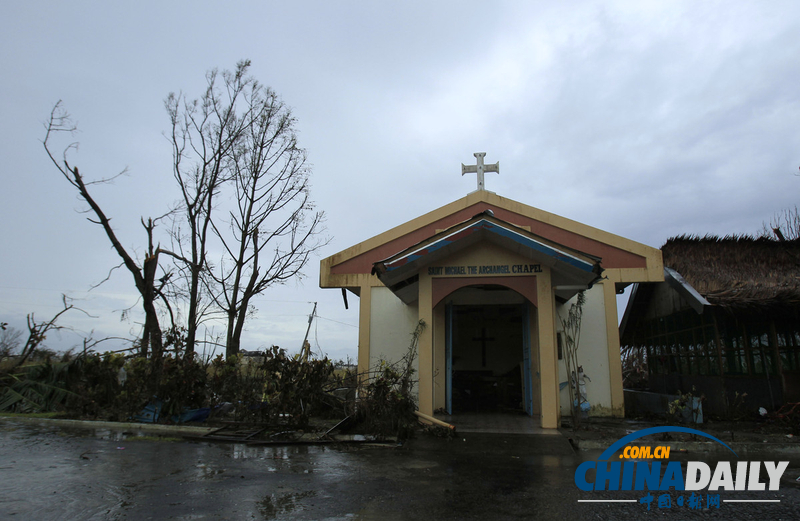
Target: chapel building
490, 278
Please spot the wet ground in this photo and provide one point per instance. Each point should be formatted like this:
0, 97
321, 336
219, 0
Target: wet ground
47, 472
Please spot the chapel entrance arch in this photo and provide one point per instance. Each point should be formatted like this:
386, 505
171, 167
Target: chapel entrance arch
488, 350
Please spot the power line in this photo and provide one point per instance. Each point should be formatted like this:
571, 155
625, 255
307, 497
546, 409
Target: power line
332, 320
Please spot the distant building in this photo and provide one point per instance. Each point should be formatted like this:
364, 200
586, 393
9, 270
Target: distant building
725, 322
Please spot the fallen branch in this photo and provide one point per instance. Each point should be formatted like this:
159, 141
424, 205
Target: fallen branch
434, 421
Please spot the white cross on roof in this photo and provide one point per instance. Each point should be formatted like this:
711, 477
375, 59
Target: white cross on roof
480, 168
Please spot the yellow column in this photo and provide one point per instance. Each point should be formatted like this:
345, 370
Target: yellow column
612, 336
440, 366
535, 373
548, 360
425, 346
364, 317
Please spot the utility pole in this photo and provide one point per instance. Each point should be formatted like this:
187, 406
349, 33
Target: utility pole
305, 351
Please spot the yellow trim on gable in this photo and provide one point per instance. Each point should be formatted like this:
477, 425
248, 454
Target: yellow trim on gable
652, 273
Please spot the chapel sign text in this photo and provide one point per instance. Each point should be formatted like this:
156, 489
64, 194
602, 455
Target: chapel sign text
492, 269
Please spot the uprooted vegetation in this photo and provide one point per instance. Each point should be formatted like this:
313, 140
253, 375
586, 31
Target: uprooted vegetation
387, 401
269, 388
109, 386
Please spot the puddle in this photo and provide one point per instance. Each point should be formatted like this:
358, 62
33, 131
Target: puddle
275, 505
204, 471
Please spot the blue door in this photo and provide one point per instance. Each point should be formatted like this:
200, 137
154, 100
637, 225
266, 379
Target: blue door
527, 385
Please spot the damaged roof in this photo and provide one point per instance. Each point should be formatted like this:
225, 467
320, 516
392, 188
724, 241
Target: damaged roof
738, 271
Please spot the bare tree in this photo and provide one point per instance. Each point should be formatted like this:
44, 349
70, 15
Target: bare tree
785, 225
203, 135
144, 275
10, 340
244, 186
37, 332
240, 141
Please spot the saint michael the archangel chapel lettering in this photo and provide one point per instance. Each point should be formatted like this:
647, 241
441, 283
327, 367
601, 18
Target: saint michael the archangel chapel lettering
484, 270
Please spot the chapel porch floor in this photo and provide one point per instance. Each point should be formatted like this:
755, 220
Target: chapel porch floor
495, 423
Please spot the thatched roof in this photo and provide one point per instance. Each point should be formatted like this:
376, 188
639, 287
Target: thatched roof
738, 271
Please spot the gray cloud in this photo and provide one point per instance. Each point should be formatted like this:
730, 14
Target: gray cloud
644, 119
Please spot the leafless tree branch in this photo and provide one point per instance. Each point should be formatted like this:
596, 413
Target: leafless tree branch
144, 276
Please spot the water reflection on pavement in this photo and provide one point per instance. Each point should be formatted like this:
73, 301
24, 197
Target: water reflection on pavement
55, 473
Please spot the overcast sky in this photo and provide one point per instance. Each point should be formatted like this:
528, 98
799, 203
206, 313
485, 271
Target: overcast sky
645, 119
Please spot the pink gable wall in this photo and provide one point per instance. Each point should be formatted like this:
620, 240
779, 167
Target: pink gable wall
525, 286
611, 257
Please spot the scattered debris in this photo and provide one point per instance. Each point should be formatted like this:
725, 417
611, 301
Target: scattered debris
435, 421
339, 425
235, 432
150, 413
